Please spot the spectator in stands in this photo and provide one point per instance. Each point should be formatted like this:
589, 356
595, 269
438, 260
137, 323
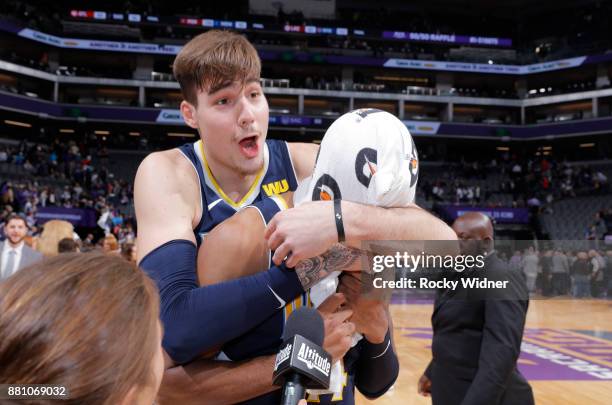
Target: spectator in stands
14, 253
53, 232
581, 273
567, 188
560, 272
90, 297
126, 233
67, 245
591, 233
545, 274
517, 170
600, 225
128, 251
52, 199
530, 268
8, 196
503, 257
438, 191
600, 182
608, 273
607, 218
597, 273
62, 161
88, 242
534, 203
110, 245
516, 260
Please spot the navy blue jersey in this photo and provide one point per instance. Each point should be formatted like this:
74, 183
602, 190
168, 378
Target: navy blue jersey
277, 176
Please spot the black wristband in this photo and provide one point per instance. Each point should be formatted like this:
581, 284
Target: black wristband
339, 222
378, 367
377, 350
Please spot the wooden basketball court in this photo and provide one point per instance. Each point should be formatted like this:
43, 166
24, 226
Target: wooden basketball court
567, 351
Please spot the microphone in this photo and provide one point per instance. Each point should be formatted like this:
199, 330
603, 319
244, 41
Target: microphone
301, 362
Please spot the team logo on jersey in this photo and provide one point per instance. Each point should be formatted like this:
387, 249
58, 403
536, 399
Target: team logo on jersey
276, 187
365, 165
326, 189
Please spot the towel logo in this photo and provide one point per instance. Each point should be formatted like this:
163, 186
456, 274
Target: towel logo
326, 189
365, 165
414, 171
414, 165
364, 112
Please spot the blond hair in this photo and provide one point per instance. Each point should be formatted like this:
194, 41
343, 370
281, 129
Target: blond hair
112, 242
54, 231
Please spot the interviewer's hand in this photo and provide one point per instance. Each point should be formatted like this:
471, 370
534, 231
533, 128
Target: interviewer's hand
424, 386
369, 315
302, 232
338, 330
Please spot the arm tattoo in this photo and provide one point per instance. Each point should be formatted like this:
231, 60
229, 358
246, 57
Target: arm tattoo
337, 258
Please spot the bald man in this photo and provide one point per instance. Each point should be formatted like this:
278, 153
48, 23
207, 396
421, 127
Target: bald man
477, 337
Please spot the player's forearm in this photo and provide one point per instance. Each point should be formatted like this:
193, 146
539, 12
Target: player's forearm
217, 382
194, 318
337, 258
378, 368
366, 222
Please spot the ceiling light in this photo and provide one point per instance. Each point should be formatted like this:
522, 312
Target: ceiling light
18, 123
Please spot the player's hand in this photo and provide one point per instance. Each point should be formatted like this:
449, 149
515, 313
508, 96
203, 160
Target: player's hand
302, 232
338, 330
424, 386
369, 315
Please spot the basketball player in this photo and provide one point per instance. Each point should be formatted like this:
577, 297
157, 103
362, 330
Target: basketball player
181, 194
371, 365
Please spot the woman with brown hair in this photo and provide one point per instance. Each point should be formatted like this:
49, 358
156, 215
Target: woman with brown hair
53, 231
88, 322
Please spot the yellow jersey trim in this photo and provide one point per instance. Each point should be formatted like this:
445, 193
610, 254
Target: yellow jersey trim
220, 191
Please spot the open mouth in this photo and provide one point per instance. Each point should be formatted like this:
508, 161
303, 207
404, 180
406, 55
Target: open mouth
249, 146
